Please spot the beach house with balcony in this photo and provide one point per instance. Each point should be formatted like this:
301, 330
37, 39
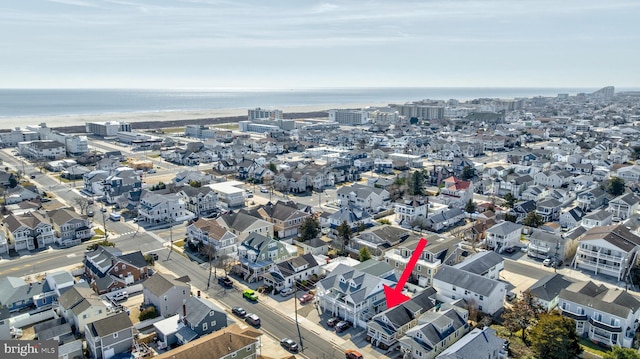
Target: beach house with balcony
608, 250
503, 235
606, 316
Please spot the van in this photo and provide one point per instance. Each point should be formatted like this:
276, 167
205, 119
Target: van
115, 217
252, 319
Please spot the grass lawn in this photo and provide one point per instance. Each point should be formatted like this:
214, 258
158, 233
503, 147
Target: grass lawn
173, 130
227, 126
592, 348
99, 231
179, 243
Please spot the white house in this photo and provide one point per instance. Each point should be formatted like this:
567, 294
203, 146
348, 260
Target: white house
210, 233
607, 316
503, 235
157, 208
623, 206
453, 283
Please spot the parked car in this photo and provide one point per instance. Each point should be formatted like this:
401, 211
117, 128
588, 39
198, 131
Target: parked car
342, 326
120, 296
331, 322
557, 263
264, 189
250, 294
239, 311
306, 298
287, 292
352, 354
510, 250
252, 319
289, 344
90, 213
511, 296
225, 282
547, 262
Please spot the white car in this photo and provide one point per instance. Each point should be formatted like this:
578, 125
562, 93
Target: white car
547, 262
287, 292
120, 296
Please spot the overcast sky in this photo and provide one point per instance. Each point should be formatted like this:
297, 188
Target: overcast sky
309, 44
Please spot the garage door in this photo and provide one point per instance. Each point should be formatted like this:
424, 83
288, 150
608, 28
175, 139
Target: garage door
108, 353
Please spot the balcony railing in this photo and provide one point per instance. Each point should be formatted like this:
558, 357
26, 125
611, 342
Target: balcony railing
602, 256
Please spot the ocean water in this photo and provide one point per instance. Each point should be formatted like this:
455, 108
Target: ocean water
55, 102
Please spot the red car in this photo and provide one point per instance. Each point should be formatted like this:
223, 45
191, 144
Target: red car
306, 298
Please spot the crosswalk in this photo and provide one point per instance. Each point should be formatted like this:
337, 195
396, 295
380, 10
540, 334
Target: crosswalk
114, 236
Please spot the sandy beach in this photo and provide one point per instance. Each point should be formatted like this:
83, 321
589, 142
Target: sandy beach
160, 116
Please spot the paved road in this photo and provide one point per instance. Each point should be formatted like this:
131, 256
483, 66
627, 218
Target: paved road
272, 322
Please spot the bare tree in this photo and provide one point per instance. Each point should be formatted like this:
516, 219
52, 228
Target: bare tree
82, 203
224, 262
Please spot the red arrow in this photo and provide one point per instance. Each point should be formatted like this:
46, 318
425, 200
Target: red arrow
395, 296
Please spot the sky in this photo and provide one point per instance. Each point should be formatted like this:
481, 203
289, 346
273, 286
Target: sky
274, 44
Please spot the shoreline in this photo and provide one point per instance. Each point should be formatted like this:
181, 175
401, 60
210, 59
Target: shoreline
170, 117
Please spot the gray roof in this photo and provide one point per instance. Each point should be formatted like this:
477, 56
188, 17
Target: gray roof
479, 343
612, 301
373, 267
111, 324
547, 237
505, 228
463, 279
159, 284
16, 290
548, 287
404, 313
198, 310
53, 332
357, 285
430, 324
75, 295
600, 215
481, 262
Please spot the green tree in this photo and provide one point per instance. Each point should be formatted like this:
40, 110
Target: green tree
470, 207
273, 167
615, 186
510, 217
13, 182
416, 182
555, 337
344, 235
533, 219
468, 173
364, 254
413, 120
622, 353
195, 184
509, 200
309, 229
522, 314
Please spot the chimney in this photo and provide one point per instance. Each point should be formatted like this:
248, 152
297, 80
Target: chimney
184, 313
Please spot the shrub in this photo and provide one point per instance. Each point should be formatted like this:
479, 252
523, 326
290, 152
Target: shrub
148, 313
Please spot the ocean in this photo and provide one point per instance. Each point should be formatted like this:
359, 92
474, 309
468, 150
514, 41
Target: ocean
68, 102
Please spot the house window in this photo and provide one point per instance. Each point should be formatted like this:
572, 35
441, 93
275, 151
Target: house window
453, 288
165, 298
480, 308
204, 326
213, 323
481, 297
115, 335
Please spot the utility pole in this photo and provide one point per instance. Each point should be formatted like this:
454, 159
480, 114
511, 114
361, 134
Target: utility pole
206, 235
104, 225
295, 304
170, 237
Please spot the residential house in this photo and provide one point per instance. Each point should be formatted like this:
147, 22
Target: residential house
155, 208
166, 293
109, 336
354, 217
80, 305
605, 316
17, 294
20, 193
366, 198
455, 193
386, 328
597, 219
549, 209
201, 317
183, 178
287, 273
378, 239
608, 250
435, 332
478, 343
488, 264
315, 246
285, 216
54, 329
42, 150
4, 243
410, 211
629, 174
571, 218
454, 283
445, 219
623, 206
439, 250
553, 179
545, 244
535, 193
352, 294
521, 209
592, 199
503, 235
231, 343
201, 201
94, 180
71, 228
547, 290
119, 183
29, 231
108, 269
210, 233
257, 254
